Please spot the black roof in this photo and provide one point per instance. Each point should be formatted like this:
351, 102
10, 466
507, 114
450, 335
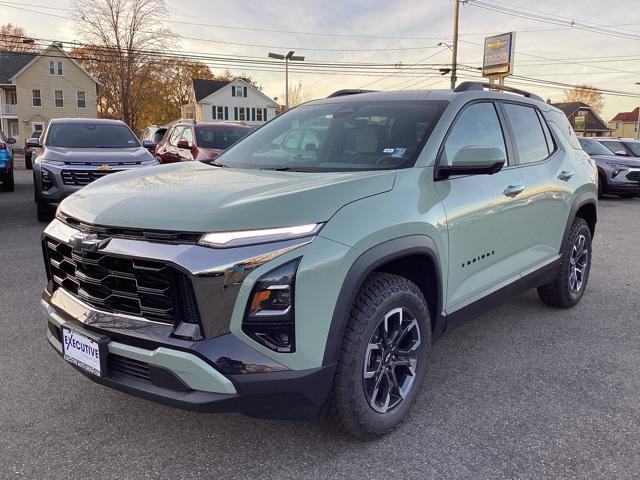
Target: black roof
12, 62
203, 88
569, 108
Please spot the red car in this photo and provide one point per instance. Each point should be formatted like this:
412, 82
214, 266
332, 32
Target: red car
202, 141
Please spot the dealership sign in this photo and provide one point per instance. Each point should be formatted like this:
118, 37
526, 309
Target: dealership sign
498, 55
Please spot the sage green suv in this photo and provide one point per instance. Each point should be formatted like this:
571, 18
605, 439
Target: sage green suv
309, 269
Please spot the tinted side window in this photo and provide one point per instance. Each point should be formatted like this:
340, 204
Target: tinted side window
615, 147
529, 136
477, 126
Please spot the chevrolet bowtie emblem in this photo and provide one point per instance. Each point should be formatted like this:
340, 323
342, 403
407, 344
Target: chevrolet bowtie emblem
83, 243
104, 167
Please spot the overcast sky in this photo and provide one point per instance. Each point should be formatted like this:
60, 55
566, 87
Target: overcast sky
430, 20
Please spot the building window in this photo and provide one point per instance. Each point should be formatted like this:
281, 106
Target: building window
52, 67
238, 91
259, 115
244, 91
82, 99
36, 99
226, 113
242, 114
59, 67
220, 115
59, 98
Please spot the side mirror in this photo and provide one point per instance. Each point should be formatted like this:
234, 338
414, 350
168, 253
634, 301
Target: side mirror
183, 144
621, 153
472, 160
11, 140
33, 142
149, 144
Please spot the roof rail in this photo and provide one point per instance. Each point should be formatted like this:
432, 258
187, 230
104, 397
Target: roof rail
343, 93
468, 86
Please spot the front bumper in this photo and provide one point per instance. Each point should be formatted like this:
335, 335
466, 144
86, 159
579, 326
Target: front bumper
625, 182
206, 376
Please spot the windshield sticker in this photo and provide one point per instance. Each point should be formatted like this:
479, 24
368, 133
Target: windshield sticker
388, 150
398, 152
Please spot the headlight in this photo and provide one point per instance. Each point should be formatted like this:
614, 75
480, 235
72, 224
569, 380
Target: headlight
269, 318
52, 162
253, 237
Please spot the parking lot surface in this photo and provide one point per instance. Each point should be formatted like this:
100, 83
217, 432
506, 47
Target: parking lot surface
524, 391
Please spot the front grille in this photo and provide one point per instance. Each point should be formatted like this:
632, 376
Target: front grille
634, 176
131, 286
83, 177
128, 366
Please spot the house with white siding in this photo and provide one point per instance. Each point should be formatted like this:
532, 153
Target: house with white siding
235, 100
36, 87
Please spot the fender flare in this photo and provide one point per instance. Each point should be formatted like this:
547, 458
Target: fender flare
578, 203
368, 262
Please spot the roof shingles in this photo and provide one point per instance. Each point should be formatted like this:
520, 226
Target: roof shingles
12, 62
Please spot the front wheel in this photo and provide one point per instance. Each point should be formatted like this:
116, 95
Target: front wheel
44, 211
383, 359
575, 264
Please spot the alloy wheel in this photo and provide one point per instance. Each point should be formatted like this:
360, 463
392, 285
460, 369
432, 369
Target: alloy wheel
391, 359
578, 263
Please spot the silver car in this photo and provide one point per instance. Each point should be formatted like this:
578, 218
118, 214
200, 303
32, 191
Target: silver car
77, 151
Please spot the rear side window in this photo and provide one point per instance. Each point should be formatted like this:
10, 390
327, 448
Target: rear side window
530, 138
615, 147
477, 126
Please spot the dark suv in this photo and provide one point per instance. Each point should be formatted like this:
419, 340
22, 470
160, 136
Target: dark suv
75, 152
199, 141
617, 175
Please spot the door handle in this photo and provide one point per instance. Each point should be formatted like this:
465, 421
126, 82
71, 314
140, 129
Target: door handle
513, 190
565, 175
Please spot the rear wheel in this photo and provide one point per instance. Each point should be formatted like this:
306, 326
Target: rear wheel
602, 184
383, 359
27, 161
8, 182
575, 264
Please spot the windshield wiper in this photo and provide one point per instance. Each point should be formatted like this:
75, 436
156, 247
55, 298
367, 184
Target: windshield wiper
287, 169
213, 163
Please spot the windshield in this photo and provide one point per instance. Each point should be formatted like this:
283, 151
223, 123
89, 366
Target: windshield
219, 137
634, 147
340, 136
90, 135
592, 147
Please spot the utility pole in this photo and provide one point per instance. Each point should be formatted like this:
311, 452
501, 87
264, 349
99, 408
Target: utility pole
286, 58
638, 122
454, 49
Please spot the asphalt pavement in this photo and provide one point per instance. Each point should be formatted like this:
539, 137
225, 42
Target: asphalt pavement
524, 392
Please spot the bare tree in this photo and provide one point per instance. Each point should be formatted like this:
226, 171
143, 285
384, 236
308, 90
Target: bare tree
122, 36
585, 94
298, 94
11, 39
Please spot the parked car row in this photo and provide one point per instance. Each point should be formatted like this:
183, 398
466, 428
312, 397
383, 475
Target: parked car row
618, 162
188, 140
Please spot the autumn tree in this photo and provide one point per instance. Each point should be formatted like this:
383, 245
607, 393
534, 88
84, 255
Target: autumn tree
122, 40
585, 94
11, 39
298, 94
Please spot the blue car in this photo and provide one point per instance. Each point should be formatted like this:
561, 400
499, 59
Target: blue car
6, 163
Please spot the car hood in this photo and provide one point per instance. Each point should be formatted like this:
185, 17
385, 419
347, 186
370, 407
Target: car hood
98, 156
192, 196
620, 160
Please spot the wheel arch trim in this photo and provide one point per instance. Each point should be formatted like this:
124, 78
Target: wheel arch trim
368, 262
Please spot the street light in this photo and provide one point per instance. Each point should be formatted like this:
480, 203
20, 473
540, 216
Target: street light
286, 58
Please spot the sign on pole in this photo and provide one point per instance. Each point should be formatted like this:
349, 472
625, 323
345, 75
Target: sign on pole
498, 55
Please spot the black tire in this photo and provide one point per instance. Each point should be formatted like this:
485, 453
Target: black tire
8, 182
44, 211
627, 195
350, 408
602, 186
28, 164
561, 292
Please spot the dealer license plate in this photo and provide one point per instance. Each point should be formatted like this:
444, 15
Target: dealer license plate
82, 351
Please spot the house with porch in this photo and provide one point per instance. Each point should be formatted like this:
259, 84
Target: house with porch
36, 87
585, 121
234, 100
